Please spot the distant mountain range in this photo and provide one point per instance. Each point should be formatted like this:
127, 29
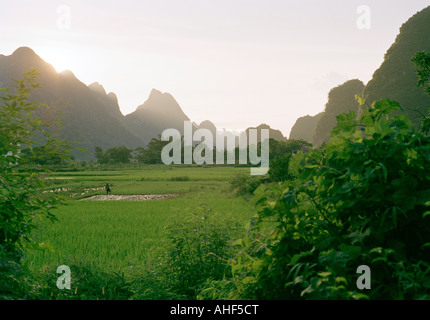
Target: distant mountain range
93, 117
395, 79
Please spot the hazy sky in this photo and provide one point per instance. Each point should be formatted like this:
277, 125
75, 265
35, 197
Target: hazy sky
238, 63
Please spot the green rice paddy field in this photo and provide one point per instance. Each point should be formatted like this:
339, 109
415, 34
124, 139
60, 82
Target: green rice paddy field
119, 235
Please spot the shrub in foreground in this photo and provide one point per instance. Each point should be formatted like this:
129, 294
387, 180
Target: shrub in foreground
363, 199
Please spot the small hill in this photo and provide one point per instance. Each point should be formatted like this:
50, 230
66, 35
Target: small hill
316, 129
396, 78
304, 127
159, 112
208, 125
273, 133
340, 99
211, 127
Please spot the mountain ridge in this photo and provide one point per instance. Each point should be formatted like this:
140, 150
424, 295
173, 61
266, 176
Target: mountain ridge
87, 115
395, 79
91, 115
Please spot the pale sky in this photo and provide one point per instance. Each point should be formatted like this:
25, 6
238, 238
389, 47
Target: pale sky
238, 63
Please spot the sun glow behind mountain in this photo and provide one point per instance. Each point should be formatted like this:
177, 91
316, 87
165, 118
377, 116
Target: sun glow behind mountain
60, 60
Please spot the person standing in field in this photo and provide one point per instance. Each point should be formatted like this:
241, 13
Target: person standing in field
107, 188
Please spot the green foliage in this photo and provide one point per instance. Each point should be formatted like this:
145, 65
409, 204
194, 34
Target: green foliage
197, 250
152, 154
243, 184
396, 78
280, 153
43, 156
422, 63
113, 155
89, 282
99, 154
279, 168
139, 154
363, 199
118, 154
123, 244
21, 178
280, 148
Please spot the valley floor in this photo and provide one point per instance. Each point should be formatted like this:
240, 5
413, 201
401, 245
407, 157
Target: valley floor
127, 237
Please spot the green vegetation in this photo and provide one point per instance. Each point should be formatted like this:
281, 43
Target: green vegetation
396, 79
422, 62
363, 199
21, 176
131, 245
113, 155
360, 199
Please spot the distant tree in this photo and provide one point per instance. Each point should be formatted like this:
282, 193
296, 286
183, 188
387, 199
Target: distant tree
113, 155
118, 155
152, 154
280, 153
99, 154
41, 155
279, 148
279, 168
139, 154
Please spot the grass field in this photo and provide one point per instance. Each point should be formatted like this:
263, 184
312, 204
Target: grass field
155, 179
116, 236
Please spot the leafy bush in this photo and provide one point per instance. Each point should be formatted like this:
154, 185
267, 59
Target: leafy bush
89, 282
22, 127
279, 168
361, 200
421, 60
244, 184
198, 249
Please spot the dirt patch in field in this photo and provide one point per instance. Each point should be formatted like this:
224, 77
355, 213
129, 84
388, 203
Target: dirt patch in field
134, 197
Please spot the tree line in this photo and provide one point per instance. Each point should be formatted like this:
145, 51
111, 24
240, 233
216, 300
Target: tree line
152, 153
